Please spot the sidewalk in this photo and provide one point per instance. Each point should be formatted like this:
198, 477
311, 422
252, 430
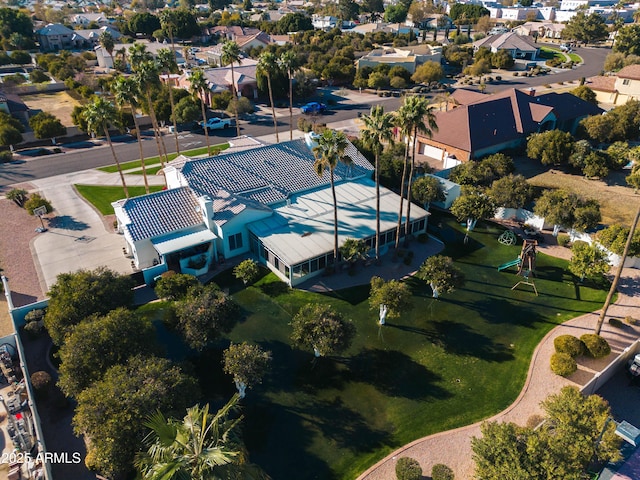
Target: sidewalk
453, 447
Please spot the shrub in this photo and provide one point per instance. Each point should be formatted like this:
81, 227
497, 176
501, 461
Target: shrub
304, 125
616, 322
630, 320
41, 382
35, 201
596, 346
38, 76
6, 156
34, 315
563, 239
498, 78
569, 344
34, 329
408, 469
440, 471
175, 286
563, 364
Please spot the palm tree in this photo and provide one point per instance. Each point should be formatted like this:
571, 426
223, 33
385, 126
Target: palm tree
268, 65
423, 121
125, 91
98, 115
231, 54
168, 65
289, 62
199, 88
328, 153
107, 42
377, 129
146, 76
138, 54
202, 446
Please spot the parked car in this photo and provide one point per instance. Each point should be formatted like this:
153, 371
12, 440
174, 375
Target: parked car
216, 123
314, 107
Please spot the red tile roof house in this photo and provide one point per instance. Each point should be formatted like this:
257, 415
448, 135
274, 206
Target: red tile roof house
617, 89
484, 124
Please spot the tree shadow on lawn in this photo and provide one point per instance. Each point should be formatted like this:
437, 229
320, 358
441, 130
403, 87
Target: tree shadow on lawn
501, 310
459, 339
396, 374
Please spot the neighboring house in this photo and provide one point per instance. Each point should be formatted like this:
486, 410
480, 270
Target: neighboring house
220, 80
267, 202
90, 38
407, 57
84, 19
540, 29
324, 22
106, 61
518, 46
13, 105
575, 4
55, 37
486, 124
617, 89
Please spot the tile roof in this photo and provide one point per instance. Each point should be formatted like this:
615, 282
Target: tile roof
605, 84
506, 41
268, 174
631, 71
55, 29
161, 213
462, 96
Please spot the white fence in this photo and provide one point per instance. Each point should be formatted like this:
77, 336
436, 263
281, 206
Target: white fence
520, 215
602, 377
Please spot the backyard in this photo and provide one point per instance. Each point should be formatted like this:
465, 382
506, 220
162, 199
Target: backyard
444, 364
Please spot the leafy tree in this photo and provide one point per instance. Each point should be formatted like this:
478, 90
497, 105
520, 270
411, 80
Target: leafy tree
614, 61
294, 22
561, 207
247, 271
408, 469
614, 237
38, 76
179, 23
175, 286
442, 274
395, 13
427, 189
37, 201
468, 12
483, 172
9, 135
378, 80
328, 153
21, 57
15, 21
321, 328
473, 205
204, 315
45, 125
99, 343
187, 110
394, 294
619, 154
553, 147
111, 412
144, 23
202, 445
586, 28
587, 260
247, 364
6, 119
18, 196
76, 296
502, 59
428, 72
628, 40
585, 93
353, 250
512, 191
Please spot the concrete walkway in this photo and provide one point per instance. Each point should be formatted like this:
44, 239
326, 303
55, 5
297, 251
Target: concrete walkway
453, 447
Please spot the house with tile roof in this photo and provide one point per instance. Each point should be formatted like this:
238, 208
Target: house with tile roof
55, 37
518, 46
617, 89
265, 201
484, 124
220, 79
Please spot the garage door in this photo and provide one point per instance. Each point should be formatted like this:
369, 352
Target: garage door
433, 152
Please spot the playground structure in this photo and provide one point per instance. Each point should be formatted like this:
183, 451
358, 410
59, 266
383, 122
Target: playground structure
526, 264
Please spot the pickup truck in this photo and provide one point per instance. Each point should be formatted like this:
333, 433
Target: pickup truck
216, 123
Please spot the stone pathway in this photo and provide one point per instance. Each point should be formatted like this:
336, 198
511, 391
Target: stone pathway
453, 447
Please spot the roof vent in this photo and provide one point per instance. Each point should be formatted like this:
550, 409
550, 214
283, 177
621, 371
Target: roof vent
305, 234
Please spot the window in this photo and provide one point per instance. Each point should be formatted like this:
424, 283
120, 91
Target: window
626, 81
235, 241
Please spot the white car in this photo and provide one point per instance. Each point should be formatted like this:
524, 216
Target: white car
216, 123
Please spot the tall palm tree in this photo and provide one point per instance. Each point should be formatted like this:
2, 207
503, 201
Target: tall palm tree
108, 43
146, 77
138, 54
199, 89
328, 153
230, 55
289, 62
377, 129
267, 66
168, 65
125, 91
423, 121
202, 446
99, 114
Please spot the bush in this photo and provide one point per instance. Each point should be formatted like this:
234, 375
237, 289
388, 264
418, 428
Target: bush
34, 329
304, 125
563, 364
175, 286
408, 469
440, 471
630, 320
41, 383
35, 201
38, 76
563, 239
569, 344
6, 156
597, 347
34, 315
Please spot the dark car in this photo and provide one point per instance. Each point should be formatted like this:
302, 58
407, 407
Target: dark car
314, 107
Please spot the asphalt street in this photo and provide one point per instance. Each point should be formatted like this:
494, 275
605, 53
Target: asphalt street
86, 155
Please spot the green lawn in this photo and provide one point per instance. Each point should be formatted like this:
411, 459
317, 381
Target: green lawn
154, 160
447, 363
101, 197
551, 52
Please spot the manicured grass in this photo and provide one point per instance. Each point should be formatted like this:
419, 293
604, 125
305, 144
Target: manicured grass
550, 52
154, 160
444, 364
101, 197
575, 57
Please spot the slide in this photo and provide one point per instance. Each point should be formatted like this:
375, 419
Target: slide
512, 263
